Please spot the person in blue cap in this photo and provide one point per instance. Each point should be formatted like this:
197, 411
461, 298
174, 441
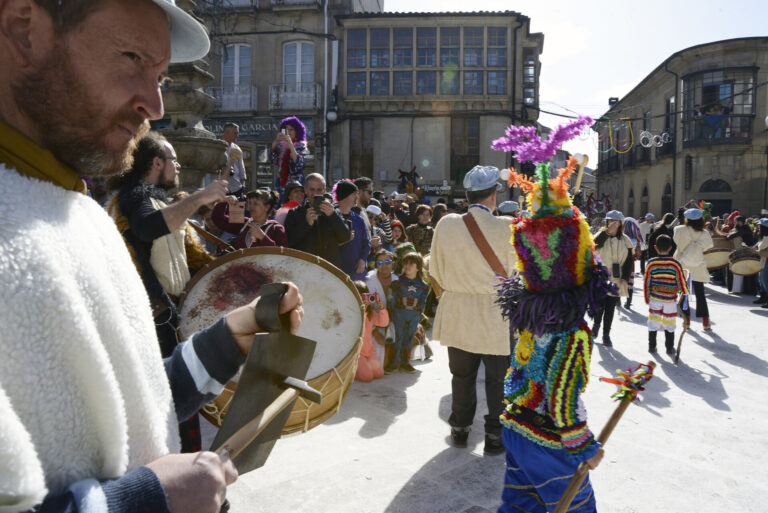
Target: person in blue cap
762, 250
692, 241
509, 208
615, 249
468, 320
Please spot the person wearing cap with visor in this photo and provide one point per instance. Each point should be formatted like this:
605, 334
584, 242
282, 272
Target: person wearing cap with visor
88, 407
692, 241
468, 320
645, 232
294, 196
615, 250
509, 208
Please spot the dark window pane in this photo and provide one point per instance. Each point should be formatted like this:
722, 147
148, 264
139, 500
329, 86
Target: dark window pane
426, 37
473, 56
449, 37
473, 82
426, 57
449, 57
473, 36
403, 82
356, 58
379, 38
497, 82
425, 82
497, 36
357, 38
380, 83
497, 56
356, 84
361, 148
379, 58
403, 57
529, 95
403, 38
465, 146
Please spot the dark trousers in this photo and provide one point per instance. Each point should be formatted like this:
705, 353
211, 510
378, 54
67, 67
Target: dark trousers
669, 339
701, 301
464, 366
606, 316
643, 259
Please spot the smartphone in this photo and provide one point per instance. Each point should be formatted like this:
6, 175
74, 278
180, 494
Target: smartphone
316, 200
237, 213
283, 131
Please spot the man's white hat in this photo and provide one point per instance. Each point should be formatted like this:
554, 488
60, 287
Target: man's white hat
189, 39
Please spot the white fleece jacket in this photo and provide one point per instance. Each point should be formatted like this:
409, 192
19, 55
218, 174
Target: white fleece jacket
79, 358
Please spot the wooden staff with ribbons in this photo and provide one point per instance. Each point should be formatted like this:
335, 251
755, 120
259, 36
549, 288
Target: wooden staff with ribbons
631, 383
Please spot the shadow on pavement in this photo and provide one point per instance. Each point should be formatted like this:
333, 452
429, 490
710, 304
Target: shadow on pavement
454, 481
388, 393
729, 352
707, 385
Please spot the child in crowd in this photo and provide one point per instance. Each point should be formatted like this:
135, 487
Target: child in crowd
664, 280
408, 297
368, 364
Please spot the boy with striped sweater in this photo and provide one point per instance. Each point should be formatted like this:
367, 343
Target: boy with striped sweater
664, 280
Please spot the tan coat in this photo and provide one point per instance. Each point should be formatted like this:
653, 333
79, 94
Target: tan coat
467, 317
683, 237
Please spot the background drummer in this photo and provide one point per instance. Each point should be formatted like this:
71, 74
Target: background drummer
762, 251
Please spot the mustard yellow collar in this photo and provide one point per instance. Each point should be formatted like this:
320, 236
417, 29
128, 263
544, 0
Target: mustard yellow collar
21, 153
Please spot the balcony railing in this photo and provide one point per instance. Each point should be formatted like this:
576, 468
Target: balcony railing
235, 98
296, 96
295, 4
718, 129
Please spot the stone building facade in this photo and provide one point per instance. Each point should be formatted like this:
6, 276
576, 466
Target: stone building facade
704, 110
378, 91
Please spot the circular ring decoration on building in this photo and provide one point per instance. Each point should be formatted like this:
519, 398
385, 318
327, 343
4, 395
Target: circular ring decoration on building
646, 139
657, 141
666, 138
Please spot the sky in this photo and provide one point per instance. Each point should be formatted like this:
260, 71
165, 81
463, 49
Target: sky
594, 49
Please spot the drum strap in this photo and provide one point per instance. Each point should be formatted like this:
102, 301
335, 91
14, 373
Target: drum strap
483, 246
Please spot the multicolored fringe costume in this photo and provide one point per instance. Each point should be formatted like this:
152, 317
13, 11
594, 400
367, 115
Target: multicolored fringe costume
560, 280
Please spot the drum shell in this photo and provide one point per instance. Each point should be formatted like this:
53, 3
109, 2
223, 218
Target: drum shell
720, 242
320, 283
717, 258
744, 262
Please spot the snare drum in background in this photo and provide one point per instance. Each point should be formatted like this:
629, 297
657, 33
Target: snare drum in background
333, 317
744, 262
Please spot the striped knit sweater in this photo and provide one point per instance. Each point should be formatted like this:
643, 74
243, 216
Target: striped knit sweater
664, 280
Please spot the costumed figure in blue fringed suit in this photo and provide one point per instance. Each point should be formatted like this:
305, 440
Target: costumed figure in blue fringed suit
408, 298
560, 279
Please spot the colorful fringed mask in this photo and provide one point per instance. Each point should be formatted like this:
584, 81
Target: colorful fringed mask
560, 277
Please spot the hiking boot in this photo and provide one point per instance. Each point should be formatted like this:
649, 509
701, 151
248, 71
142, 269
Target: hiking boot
759, 301
407, 367
459, 436
390, 369
493, 444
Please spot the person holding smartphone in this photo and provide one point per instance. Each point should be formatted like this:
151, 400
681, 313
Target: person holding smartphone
615, 249
288, 150
315, 226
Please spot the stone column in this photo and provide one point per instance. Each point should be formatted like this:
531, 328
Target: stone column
198, 150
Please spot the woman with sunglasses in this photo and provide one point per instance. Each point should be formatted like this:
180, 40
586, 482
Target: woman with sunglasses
379, 281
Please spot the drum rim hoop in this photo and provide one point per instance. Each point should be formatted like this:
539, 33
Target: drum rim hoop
268, 250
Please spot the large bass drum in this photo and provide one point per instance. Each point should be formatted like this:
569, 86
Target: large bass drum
333, 316
744, 262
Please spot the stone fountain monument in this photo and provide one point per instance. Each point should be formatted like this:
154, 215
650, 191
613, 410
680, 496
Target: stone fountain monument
197, 149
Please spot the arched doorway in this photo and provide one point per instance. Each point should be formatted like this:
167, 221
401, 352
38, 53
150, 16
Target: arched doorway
717, 189
666, 200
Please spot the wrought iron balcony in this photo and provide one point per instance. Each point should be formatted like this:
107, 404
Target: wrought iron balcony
295, 96
710, 129
296, 4
235, 98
